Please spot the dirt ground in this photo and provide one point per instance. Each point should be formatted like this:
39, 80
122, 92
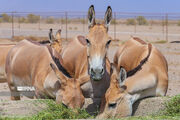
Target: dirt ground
171, 51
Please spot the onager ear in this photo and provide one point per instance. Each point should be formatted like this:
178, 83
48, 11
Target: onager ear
51, 36
60, 76
82, 40
91, 16
122, 76
113, 68
58, 35
108, 16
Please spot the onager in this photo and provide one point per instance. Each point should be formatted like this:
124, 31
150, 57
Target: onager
140, 71
86, 56
4, 49
31, 64
55, 42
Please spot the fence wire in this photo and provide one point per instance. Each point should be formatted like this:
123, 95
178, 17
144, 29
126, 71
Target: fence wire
148, 26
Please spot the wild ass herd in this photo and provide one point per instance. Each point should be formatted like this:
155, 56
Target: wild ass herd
82, 69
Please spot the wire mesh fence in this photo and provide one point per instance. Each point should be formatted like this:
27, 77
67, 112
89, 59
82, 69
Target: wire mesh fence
148, 26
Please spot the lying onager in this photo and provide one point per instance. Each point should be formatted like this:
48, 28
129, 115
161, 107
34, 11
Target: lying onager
31, 64
87, 56
4, 49
140, 71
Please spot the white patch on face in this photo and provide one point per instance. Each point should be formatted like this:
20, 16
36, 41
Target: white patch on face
96, 63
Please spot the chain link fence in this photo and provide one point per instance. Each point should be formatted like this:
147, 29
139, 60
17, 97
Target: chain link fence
152, 27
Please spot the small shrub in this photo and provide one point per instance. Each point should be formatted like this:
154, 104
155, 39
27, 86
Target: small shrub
70, 28
33, 18
141, 20
22, 20
50, 20
75, 28
6, 18
130, 22
63, 21
113, 21
173, 106
82, 21
178, 23
160, 42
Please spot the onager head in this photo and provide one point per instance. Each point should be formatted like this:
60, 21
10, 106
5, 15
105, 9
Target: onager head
69, 92
117, 100
55, 42
97, 42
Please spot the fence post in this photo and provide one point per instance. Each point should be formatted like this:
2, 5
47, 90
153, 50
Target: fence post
114, 25
39, 22
166, 27
12, 25
84, 20
66, 23
135, 25
163, 26
19, 22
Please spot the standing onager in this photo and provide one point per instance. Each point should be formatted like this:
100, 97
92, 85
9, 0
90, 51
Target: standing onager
4, 49
87, 56
147, 75
32, 64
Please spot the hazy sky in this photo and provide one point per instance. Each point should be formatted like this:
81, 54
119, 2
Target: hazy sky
151, 6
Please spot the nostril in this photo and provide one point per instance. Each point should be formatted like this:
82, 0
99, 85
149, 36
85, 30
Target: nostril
112, 105
92, 71
102, 71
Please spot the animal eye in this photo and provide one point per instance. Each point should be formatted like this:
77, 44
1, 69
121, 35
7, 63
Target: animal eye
88, 42
107, 44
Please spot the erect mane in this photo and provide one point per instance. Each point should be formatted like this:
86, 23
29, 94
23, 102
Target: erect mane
139, 40
139, 67
58, 61
39, 43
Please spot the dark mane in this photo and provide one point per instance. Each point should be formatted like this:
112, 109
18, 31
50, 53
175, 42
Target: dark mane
139, 40
139, 67
57, 61
38, 43
44, 42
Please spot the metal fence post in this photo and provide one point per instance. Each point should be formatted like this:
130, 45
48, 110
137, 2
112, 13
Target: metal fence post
163, 26
84, 20
166, 27
66, 23
12, 25
39, 22
114, 25
135, 24
19, 22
